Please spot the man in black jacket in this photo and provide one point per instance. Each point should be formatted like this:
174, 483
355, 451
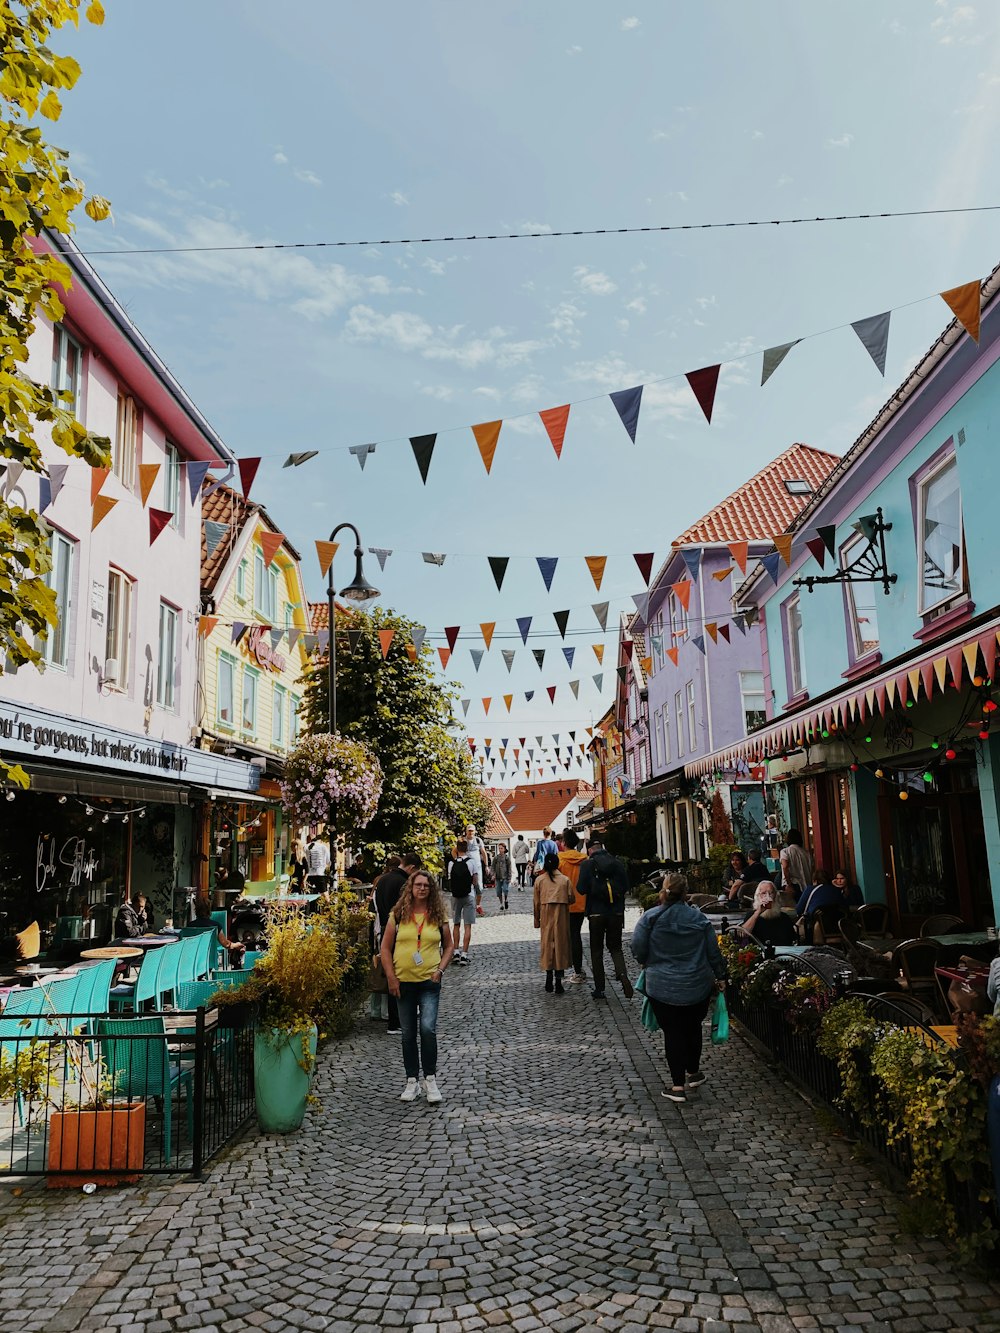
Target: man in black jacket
388, 887
604, 882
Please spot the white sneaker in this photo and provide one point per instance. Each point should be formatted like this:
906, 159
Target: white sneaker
411, 1092
431, 1090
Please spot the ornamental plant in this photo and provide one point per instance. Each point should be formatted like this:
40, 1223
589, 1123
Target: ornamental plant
740, 955
331, 780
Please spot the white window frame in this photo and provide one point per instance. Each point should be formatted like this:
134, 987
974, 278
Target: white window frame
751, 687
126, 451
295, 720
796, 662
227, 667
54, 648
679, 719
166, 657
848, 552
944, 595
250, 678
63, 379
678, 619
265, 579
242, 569
692, 718
118, 634
278, 739
665, 723
172, 483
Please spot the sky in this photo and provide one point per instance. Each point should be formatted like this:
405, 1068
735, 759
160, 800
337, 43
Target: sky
242, 122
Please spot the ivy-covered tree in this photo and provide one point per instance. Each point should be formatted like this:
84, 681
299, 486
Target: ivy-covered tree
401, 710
37, 193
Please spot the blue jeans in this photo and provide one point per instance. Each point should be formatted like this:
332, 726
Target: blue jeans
423, 996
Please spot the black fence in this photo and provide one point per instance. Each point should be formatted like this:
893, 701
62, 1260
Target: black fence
105, 1098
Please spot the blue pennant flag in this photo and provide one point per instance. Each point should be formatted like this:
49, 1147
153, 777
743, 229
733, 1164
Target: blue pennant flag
626, 403
547, 568
197, 471
523, 625
699, 643
569, 654
693, 561
771, 562
528, 696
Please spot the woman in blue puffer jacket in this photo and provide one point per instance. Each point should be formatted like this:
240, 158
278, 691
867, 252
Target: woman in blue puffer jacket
676, 945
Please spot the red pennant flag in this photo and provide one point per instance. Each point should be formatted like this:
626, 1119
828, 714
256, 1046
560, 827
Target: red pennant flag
269, 543
682, 591
487, 435
326, 551
724, 631
385, 637
444, 654
645, 563
248, 470
988, 648
965, 302
206, 624
739, 552
703, 385
451, 634
102, 507
816, 547
98, 476
158, 520
554, 420
551, 691
673, 654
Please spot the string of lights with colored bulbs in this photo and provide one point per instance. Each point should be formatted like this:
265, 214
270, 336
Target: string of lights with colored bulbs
133, 812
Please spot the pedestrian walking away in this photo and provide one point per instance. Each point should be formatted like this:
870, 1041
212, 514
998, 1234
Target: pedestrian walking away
463, 885
477, 863
319, 865
553, 892
522, 855
416, 950
545, 844
603, 883
570, 861
676, 944
501, 875
388, 888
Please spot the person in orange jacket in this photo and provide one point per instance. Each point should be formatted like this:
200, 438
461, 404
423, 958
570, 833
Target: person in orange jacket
570, 861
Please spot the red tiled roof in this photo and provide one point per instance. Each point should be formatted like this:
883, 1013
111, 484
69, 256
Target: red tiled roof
319, 615
225, 505
537, 805
497, 825
763, 506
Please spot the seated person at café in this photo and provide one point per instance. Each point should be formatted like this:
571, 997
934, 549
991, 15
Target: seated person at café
753, 874
734, 873
766, 921
203, 917
127, 923
144, 911
822, 894
850, 894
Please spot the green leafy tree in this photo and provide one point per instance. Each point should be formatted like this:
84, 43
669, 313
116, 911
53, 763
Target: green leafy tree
404, 713
37, 193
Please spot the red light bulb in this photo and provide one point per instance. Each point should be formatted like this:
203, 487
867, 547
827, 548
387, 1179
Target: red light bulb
984, 735
854, 768
990, 706
950, 754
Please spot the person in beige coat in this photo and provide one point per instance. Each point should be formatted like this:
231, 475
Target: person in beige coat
553, 895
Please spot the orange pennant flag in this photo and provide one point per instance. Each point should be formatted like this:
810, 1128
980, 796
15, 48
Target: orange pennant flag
673, 654
721, 574
326, 551
385, 637
783, 545
596, 563
443, 653
411, 652
598, 652
739, 552
98, 476
647, 665
487, 631
508, 700
487, 434
486, 706
713, 629
682, 591
269, 543
102, 507
148, 472
965, 303
554, 420
206, 624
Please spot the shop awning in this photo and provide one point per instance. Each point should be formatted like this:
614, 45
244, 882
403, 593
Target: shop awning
76, 782
235, 797
967, 656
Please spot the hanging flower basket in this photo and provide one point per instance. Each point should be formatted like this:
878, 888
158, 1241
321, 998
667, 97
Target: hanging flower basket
331, 780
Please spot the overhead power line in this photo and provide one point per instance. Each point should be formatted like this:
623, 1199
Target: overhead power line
547, 235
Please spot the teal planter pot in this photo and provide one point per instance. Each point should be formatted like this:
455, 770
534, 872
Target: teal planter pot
281, 1085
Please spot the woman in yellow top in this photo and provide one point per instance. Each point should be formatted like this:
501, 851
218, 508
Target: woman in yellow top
416, 948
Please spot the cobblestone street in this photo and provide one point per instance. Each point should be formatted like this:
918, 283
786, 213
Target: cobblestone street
553, 1189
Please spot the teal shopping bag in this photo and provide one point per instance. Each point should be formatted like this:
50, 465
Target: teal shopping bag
720, 1021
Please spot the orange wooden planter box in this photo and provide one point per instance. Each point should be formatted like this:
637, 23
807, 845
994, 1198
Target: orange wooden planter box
107, 1144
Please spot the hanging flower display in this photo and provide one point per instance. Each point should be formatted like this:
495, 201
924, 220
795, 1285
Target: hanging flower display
331, 780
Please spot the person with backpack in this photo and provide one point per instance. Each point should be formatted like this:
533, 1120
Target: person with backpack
604, 884
571, 859
463, 881
501, 877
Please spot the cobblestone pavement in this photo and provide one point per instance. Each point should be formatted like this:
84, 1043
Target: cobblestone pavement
553, 1189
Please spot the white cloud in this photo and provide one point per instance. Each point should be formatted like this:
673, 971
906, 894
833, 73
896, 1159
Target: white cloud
622, 325
954, 27
487, 391
399, 199
574, 50
411, 333
542, 227
681, 195
660, 136
306, 176
782, 181
705, 301
442, 392
842, 141
526, 425
593, 281
637, 305
279, 158
756, 134
630, 24
565, 318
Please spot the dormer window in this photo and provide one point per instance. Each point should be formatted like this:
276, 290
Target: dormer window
797, 486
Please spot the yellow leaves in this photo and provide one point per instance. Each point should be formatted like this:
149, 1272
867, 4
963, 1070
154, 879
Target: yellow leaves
95, 12
50, 106
97, 208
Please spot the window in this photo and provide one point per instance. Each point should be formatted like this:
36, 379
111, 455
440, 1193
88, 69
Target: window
796, 661
265, 589
55, 647
278, 718
940, 537
166, 662
249, 700
656, 739
862, 615
296, 710
123, 459
679, 717
172, 484
241, 580
665, 723
692, 727
225, 689
678, 618
752, 700
67, 365
797, 486
119, 630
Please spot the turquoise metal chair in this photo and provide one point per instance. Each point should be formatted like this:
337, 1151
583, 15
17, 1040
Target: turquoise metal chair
60, 999
22, 1022
93, 997
25, 1000
166, 979
188, 952
208, 944
136, 993
139, 1066
233, 976
251, 957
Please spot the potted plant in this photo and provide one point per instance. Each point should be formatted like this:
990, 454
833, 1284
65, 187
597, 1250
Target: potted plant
331, 780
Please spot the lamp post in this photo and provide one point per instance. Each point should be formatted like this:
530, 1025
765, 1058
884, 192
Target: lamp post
358, 590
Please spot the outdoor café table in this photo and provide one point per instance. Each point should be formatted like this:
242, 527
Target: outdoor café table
122, 950
969, 937
145, 942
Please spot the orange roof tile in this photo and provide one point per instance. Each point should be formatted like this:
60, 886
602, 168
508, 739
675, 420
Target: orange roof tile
225, 505
537, 805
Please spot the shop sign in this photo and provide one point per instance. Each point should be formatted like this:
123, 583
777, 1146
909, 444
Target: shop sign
257, 644
34, 733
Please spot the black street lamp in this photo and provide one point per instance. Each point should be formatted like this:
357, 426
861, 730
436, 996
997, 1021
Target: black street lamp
358, 590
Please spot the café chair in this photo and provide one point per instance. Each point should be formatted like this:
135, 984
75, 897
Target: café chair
916, 960
920, 1011
850, 927
134, 994
874, 920
943, 924
29, 941
139, 1067
703, 899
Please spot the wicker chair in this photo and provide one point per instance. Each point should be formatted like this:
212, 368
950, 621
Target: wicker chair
916, 960
874, 920
943, 924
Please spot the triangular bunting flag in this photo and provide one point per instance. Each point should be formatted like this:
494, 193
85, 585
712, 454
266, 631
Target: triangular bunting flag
269, 544
817, 549
964, 303
465, 707
486, 705
692, 560
13, 475
682, 591
57, 477
575, 687
381, 554
971, 654
434, 558
627, 403
600, 610
148, 472
309, 642
451, 633
411, 652
699, 643
508, 700
214, 533
486, 629
569, 654
596, 564
44, 494
296, 460
523, 625
673, 654
770, 563
641, 601
739, 552
988, 648
423, 449
206, 624
508, 657
621, 673
103, 506
955, 659
158, 520
477, 657
773, 357
325, 551
703, 385
827, 534
783, 545
550, 690
528, 696
712, 629
294, 634
645, 563
554, 420
98, 476
539, 655
562, 620
498, 568
323, 639
445, 655
487, 434
927, 677
361, 452
276, 636
867, 525
599, 681
598, 651
724, 632
248, 470
914, 679
720, 575
238, 630
874, 335
547, 568
647, 665
197, 471
417, 635
385, 637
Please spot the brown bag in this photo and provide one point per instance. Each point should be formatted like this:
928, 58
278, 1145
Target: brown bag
378, 982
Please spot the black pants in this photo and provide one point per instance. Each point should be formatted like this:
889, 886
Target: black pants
606, 929
522, 870
681, 1028
393, 1013
576, 941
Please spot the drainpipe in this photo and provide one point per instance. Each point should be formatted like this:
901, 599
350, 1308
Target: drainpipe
704, 666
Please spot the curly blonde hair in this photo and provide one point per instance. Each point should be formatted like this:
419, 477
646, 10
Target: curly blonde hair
436, 910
